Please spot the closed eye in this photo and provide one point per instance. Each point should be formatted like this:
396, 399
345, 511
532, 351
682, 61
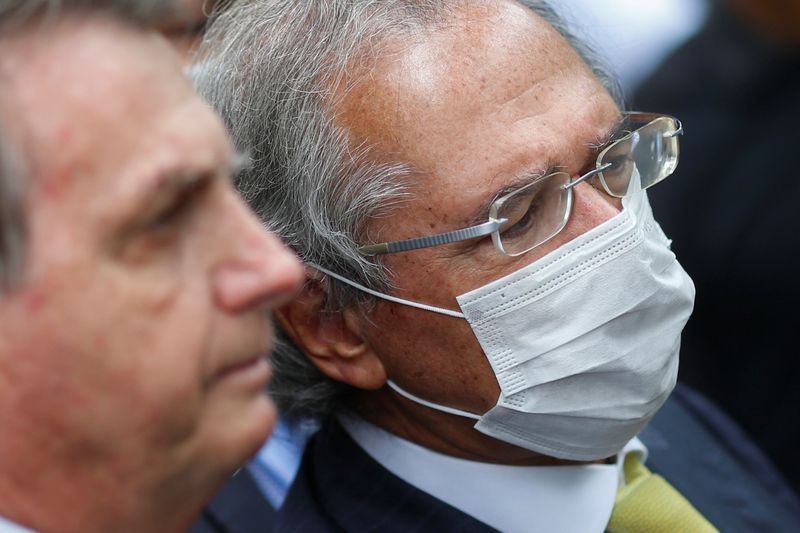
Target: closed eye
521, 212
179, 203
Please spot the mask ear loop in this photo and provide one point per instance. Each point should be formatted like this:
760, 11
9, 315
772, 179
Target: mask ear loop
393, 385
387, 297
416, 399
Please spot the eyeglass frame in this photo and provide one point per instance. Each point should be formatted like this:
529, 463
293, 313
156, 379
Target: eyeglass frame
493, 225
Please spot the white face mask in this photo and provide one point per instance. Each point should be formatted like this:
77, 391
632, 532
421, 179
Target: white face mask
584, 342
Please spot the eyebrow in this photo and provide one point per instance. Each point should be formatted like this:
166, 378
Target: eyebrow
611, 135
173, 181
480, 214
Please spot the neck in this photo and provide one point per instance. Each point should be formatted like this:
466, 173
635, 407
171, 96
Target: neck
70, 504
47, 488
442, 432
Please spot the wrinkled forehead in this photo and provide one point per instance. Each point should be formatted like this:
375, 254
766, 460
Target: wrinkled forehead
492, 63
89, 96
77, 75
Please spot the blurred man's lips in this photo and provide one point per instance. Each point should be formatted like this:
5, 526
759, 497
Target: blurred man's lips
255, 371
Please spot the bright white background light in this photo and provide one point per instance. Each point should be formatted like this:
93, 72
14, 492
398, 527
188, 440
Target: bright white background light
635, 35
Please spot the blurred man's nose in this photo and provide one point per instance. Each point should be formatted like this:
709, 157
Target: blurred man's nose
263, 273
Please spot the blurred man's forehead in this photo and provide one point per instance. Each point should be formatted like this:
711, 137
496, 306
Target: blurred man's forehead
99, 105
74, 80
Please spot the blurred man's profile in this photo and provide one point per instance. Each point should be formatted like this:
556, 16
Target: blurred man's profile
133, 330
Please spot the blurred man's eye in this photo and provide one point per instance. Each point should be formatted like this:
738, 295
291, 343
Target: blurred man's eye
178, 207
169, 217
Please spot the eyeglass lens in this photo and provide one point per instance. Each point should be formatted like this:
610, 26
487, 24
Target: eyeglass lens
539, 211
651, 150
535, 213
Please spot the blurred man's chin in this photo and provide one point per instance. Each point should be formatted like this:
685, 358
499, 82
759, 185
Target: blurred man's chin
241, 428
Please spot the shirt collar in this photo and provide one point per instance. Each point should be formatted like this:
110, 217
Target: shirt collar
526, 499
6, 526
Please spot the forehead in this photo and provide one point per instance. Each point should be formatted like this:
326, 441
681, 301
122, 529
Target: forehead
93, 99
493, 90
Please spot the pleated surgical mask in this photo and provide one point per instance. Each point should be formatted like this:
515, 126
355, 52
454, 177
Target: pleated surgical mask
583, 342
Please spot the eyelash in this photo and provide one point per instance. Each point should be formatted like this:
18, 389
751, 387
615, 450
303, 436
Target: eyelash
178, 208
171, 214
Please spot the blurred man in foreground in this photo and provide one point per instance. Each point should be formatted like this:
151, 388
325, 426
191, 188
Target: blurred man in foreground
134, 281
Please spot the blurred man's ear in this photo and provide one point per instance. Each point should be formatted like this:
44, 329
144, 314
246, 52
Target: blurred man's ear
331, 340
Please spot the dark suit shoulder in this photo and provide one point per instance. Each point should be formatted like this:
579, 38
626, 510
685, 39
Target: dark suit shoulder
239, 507
712, 462
340, 488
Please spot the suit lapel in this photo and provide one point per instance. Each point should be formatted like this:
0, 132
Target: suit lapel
358, 494
239, 508
711, 462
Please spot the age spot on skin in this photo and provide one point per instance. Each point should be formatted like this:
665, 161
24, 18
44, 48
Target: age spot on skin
54, 186
34, 302
64, 135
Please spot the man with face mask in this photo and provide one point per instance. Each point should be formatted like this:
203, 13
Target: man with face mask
491, 314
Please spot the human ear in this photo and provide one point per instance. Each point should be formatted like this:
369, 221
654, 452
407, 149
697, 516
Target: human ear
331, 339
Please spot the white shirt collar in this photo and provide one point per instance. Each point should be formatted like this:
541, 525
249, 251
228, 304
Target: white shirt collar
525, 499
6, 526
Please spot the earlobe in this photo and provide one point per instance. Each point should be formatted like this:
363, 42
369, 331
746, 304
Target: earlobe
331, 340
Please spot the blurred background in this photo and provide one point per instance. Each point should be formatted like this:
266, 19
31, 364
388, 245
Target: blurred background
635, 36
730, 71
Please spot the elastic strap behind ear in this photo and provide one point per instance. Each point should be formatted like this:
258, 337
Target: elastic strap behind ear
394, 299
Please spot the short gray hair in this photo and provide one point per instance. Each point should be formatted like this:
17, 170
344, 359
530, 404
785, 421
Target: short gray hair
12, 225
17, 16
273, 69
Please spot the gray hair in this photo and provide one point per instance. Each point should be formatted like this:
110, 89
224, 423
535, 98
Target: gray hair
12, 230
16, 16
273, 70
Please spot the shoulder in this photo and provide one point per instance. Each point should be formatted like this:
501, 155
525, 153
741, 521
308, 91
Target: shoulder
712, 462
239, 507
341, 488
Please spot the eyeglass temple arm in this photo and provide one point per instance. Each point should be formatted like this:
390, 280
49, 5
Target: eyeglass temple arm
678, 129
433, 240
586, 176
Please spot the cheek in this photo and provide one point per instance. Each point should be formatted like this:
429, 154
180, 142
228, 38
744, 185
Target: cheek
434, 356
437, 356
98, 337
115, 344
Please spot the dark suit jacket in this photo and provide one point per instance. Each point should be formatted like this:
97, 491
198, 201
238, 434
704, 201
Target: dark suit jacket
238, 508
691, 443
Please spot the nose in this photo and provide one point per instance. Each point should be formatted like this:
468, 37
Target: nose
590, 209
263, 274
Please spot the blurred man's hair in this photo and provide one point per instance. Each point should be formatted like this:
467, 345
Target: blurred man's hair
17, 14
11, 220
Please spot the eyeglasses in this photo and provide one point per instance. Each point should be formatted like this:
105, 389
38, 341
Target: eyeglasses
536, 212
